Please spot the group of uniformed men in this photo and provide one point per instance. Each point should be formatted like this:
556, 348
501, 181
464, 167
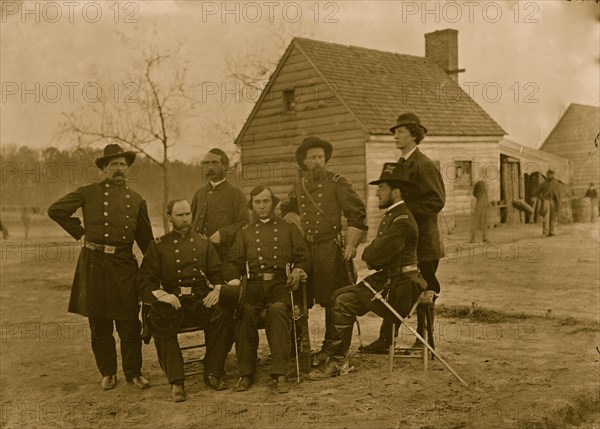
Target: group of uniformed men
215, 246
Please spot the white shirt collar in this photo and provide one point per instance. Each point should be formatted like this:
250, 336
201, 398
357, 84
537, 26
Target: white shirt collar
406, 156
394, 205
265, 220
215, 184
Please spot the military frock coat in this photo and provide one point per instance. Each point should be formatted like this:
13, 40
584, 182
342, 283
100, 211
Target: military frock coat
222, 208
113, 214
394, 247
267, 247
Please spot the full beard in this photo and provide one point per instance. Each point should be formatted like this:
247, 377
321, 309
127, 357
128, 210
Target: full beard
317, 173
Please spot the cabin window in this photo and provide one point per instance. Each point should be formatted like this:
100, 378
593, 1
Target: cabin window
463, 173
289, 101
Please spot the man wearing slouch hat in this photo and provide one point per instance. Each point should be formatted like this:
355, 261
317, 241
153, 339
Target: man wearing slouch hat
104, 290
320, 197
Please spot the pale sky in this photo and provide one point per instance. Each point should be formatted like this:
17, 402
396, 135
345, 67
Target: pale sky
541, 63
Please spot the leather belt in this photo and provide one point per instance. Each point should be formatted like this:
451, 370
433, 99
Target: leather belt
266, 276
399, 270
195, 290
105, 248
316, 238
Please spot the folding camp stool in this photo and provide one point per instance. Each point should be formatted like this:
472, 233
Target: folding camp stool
187, 362
423, 305
303, 337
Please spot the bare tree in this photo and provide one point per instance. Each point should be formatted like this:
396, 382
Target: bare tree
143, 112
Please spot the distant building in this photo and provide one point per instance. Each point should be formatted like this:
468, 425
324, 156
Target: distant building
350, 96
575, 137
522, 168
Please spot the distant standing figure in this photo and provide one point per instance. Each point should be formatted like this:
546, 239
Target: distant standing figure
535, 202
479, 217
26, 219
592, 194
4, 230
550, 196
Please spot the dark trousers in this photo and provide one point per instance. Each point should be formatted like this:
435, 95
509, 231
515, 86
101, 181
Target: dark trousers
550, 217
428, 270
217, 331
105, 352
274, 306
357, 300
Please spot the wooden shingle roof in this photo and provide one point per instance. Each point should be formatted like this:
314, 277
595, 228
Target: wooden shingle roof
377, 86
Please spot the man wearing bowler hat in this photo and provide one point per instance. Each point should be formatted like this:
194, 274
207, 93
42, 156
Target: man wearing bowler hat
104, 291
393, 253
277, 260
176, 278
320, 197
425, 206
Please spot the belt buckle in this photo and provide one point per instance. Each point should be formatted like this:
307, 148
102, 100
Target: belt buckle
110, 249
185, 290
268, 276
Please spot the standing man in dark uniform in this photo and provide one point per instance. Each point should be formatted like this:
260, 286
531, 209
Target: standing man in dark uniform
408, 133
173, 272
393, 253
269, 245
218, 209
104, 290
550, 197
320, 197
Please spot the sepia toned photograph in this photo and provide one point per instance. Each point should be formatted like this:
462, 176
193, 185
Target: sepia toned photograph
299, 214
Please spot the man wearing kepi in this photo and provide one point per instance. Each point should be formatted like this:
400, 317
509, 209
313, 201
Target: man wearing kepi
218, 209
408, 133
173, 279
320, 197
393, 252
277, 260
104, 291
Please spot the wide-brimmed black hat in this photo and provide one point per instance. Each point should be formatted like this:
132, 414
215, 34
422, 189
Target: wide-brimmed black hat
398, 173
407, 119
164, 321
231, 297
113, 151
310, 143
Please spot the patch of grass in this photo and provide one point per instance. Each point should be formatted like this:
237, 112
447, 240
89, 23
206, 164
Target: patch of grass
477, 313
582, 410
485, 315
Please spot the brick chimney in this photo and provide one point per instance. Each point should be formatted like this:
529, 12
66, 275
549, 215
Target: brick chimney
441, 47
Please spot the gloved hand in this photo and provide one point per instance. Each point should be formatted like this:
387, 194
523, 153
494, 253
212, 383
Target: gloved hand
213, 297
171, 299
296, 276
349, 253
234, 282
354, 237
416, 278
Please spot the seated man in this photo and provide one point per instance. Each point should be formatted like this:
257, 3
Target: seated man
394, 253
270, 246
173, 272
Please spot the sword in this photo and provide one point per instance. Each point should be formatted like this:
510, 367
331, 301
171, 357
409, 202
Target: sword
414, 332
288, 272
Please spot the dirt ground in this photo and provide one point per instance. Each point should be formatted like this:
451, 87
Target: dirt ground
517, 319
